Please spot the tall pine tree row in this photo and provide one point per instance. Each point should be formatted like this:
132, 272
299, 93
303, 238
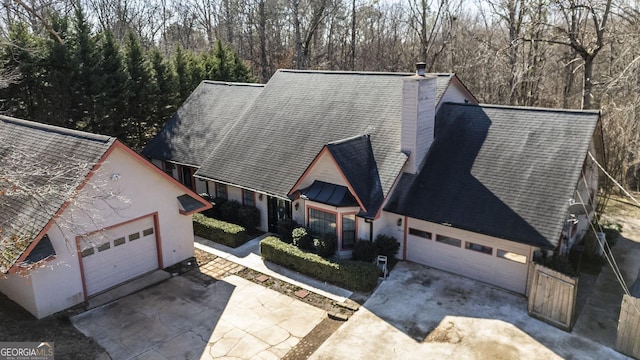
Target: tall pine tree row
91, 82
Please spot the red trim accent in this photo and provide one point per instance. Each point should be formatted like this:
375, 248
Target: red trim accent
404, 245
464, 88
315, 160
156, 227
64, 206
306, 171
338, 216
96, 167
150, 165
356, 230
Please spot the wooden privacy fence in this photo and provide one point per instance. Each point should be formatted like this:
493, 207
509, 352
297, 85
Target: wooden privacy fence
552, 298
628, 341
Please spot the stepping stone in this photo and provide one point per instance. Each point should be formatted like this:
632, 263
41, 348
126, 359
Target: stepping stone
301, 294
262, 278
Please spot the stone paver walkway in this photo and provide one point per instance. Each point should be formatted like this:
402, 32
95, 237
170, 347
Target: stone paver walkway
214, 270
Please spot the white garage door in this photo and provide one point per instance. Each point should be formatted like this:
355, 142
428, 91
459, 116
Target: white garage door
119, 254
494, 261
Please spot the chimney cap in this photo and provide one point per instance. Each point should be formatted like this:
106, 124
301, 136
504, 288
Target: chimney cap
421, 68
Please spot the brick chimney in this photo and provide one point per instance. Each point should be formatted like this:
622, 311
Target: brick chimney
418, 116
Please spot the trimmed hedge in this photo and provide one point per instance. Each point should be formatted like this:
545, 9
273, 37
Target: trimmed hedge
354, 275
222, 232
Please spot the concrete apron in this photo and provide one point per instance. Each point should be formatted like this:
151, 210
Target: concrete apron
180, 319
423, 313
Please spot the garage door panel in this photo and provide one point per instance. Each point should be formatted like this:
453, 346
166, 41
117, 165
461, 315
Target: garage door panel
129, 254
418, 249
478, 260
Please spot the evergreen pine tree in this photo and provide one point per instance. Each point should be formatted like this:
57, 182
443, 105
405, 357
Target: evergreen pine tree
139, 94
86, 78
112, 96
165, 94
59, 66
23, 56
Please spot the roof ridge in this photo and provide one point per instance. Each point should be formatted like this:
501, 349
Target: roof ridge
530, 108
57, 129
345, 140
231, 83
345, 72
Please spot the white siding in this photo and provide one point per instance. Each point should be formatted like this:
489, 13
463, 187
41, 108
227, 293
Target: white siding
58, 285
455, 94
298, 215
418, 119
234, 193
20, 289
262, 206
324, 169
201, 186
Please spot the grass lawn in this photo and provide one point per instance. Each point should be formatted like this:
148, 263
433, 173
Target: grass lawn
17, 324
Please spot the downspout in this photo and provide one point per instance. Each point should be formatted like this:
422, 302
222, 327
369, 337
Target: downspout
404, 240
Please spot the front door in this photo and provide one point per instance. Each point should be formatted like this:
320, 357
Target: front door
278, 210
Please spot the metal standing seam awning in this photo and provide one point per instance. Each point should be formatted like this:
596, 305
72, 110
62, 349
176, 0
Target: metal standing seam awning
329, 194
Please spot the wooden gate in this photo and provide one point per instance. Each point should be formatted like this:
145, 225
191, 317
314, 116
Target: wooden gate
552, 298
628, 340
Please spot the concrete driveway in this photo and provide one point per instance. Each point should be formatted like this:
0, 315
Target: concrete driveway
180, 319
420, 312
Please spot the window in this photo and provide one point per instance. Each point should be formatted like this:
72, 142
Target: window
221, 191
134, 236
118, 242
167, 167
187, 176
147, 232
248, 198
322, 223
103, 247
448, 240
512, 256
348, 231
420, 233
88, 251
479, 248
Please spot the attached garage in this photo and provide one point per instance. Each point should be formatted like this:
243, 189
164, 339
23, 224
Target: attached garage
495, 261
118, 254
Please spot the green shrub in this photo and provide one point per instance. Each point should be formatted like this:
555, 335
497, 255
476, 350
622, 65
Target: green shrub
219, 231
364, 250
354, 275
285, 228
387, 245
326, 245
229, 211
216, 210
249, 216
302, 239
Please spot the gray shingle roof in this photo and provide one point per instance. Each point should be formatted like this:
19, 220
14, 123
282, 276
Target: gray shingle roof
355, 158
201, 122
507, 172
297, 113
49, 162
